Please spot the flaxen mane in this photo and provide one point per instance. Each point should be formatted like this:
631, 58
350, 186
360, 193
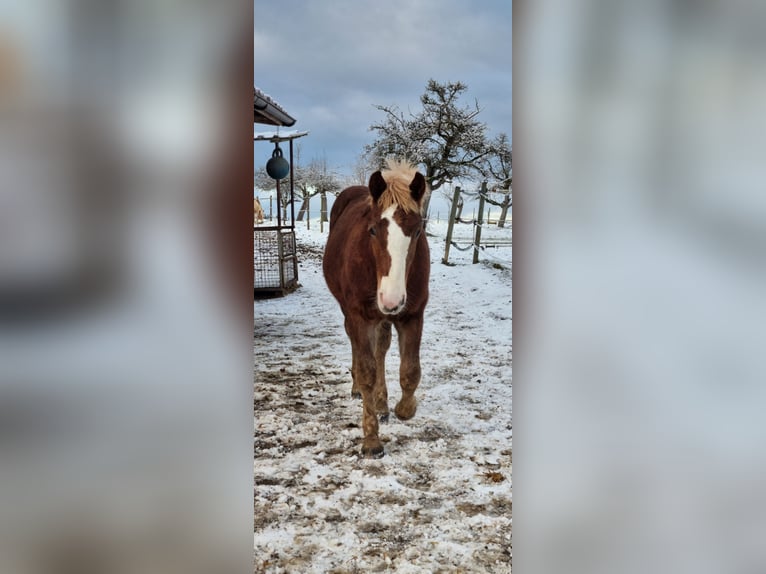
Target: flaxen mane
398, 175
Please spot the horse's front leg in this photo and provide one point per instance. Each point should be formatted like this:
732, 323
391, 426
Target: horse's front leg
365, 374
410, 332
382, 343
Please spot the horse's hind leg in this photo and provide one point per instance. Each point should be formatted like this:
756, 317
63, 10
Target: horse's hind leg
409, 370
355, 392
380, 392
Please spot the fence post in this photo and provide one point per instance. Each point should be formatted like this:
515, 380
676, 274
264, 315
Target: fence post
322, 211
451, 224
479, 222
279, 206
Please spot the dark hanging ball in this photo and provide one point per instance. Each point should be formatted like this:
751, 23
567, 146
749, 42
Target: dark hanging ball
277, 167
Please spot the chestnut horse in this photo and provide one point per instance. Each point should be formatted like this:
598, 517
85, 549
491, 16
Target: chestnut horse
377, 265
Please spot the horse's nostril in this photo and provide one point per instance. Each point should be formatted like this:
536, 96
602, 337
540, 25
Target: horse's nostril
390, 305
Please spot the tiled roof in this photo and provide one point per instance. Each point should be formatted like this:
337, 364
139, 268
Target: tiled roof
268, 111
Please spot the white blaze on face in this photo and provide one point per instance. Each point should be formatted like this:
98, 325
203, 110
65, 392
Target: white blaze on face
392, 292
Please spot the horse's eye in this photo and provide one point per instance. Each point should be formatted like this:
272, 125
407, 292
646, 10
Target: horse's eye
373, 232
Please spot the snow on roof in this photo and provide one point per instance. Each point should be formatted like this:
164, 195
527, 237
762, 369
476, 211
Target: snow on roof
268, 111
274, 136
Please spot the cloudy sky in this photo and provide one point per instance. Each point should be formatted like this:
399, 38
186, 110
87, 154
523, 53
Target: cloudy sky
328, 63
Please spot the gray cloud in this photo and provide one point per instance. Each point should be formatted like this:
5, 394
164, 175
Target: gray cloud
328, 63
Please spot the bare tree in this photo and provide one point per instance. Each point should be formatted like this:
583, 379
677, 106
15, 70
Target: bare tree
315, 179
262, 180
445, 137
361, 170
497, 167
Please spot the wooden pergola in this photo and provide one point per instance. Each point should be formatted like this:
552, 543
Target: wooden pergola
274, 249
276, 138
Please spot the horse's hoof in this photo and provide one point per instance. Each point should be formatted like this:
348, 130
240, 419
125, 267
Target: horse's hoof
373, 453
405, 413
356, 395
384, 418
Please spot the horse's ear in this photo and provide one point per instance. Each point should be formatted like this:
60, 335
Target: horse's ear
377, 185
418, 187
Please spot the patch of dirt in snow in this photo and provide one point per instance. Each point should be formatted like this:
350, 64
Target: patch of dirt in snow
440, 500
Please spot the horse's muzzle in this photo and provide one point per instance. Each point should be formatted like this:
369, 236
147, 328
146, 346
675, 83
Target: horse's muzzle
387, 308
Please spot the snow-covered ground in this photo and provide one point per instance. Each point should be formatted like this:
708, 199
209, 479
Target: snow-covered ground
440, 499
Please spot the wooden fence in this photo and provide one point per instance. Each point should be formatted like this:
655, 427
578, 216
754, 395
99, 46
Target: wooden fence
478, 222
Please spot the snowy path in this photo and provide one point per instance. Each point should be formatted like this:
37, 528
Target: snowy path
440, 500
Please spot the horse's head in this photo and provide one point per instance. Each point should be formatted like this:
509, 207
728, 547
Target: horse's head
395, 226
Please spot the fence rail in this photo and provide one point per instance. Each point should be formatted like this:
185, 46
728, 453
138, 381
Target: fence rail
478, 223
